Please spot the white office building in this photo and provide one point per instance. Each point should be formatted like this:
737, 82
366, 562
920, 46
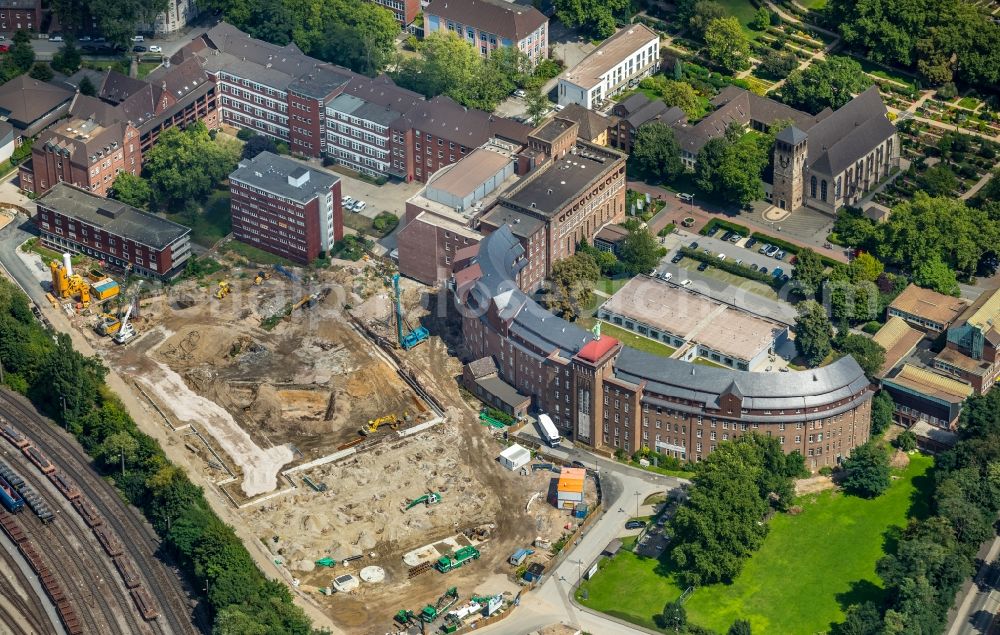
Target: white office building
613, 67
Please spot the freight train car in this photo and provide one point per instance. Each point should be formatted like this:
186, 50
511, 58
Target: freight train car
144, 603
41, 461
88, 512
13, 435
109, 541
10, 498
127, 570
65, 485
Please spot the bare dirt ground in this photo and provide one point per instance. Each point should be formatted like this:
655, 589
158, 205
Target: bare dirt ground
266, 401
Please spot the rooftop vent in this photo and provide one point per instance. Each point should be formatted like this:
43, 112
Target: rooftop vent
103, 211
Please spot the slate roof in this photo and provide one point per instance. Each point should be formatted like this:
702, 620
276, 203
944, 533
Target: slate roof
592, 124
791, 135
116, 87
849, 133
506, 19
658, 111
632, 103
113, 216
23, 100
445, 118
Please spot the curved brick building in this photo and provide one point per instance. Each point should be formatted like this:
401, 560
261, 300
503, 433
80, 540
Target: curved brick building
610, 396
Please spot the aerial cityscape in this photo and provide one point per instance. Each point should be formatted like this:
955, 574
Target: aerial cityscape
518, 317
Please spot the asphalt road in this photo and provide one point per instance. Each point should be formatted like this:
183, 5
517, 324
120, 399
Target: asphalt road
45, 48
979, 600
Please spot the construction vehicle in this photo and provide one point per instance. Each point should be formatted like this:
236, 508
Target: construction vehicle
431, 498
456, 560
107, 324
405, 617
432, 611
326, 562
408, 338
126, 331
261, 277
374, 424
66, 284
223, 290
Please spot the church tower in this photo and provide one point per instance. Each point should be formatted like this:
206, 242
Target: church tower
788, 185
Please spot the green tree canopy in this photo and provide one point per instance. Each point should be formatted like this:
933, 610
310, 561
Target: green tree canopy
185, 165
934, 274
656, 153
674, 93
41, 71
67, 59
813, 332
640, 252
727, 44
808, 272
595, 17
827, 83
702, 13
741, 627
882, 409
867, 470
87, 87
572, 284
867, 352
132, 190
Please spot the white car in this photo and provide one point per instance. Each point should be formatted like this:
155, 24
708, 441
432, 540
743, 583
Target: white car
138, 38
685, 283
666, 275
721, 256
558, 107
155, 49
347, 202
55, 38
359, 206
520, 93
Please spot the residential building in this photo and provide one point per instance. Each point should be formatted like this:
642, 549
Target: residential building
30, 105
405, 11
693, 324
490, 24
922, 395
20, 14
618, 64
925, 309
576, 189
176, 16
609, 397
973, 341
286, 207
88, 150
637, 111
73, 219
593, 125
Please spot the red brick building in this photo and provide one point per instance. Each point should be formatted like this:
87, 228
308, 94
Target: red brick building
72, 219
405, 11
286, 207
20, 14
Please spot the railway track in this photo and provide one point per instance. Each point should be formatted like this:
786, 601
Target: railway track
139, 540
16, 609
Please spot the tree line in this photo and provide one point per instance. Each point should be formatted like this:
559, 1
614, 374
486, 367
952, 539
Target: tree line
240, 600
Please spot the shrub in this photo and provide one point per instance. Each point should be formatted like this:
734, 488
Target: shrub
872, 327
724, 224
385, 222
907, 442
826, 470
244, 134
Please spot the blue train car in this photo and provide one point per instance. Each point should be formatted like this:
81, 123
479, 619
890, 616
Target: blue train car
10, 497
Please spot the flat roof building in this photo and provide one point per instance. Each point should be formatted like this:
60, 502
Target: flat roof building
286, 207
616, 65
72, 219
923, 395
927, 310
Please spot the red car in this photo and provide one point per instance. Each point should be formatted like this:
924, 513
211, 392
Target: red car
4, 48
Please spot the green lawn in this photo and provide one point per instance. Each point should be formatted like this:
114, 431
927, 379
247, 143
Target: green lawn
825, 555
701, 361
745, 284
744, 12
813, 4
214, 221
254, 255
628, 338
145, 68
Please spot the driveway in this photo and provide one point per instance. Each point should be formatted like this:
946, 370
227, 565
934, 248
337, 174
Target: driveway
390, 197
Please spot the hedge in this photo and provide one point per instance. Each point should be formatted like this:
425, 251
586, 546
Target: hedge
730, 266
724, 224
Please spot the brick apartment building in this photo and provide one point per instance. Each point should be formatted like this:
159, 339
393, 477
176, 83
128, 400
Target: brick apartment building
286, 207
107, 134
576, 190
405, 11
20, 14
490, 24
322, 110
609, 396
73, 219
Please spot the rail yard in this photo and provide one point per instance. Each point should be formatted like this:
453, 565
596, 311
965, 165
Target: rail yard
93, 556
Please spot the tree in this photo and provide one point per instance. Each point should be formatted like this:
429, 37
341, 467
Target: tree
640, 252
882, 409
938, 180
674, 93
87, 87
674, 616
868, 353
740, 627
258, 143
867, 470
813, 333
446, 65
826, 83
808, 272
595, 17
537, 104
19, 59
860, 619
727, 44
708, 163
865, 268
171, 492
185, 165
572, 284
358, 35
743, 164
778, 65
117, 449
656, 152
934, 274
132, 190
67, 59
703, 13
907, 441
41, 71
761, 19
116, 20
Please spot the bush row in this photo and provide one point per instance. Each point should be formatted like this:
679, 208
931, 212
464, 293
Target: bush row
733, 268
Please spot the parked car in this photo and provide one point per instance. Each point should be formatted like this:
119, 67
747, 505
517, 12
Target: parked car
727, 235
677, 258
721, 256
777, 272
635, 524
785, 277
347, 202
735, 238
520, 93
686, 282
713, 232
57, 37
578, 464
771, 250
779, 255
155, 49
359, 206
684, 196
739, 261
763, 269
764, 248
138, 49
750, 243
558, 107
4, 48
666, 275
138, 38
754, 267
703, 266
693, 245
85, 38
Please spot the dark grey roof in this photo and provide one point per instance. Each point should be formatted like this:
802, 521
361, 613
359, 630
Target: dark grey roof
521, 224
357, 107
506, 19
24, 100
501, 256
445, 118
657, 111
502, 391
632, 104
6, 133
320, 81
592, 124
271, 172
791, 135
849, 133
113, 216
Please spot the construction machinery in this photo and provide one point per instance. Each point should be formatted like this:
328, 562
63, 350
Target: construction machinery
374, 424
126, 331
66, 284
261, 277
408, 338
223, 290
432, 611
405, 617
457, 559
107, 324
428, 499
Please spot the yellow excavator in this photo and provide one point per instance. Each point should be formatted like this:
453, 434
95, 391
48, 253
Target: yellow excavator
223, 289
261, 277
374, 424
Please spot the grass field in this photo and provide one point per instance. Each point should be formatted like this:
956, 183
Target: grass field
145, 68
827, 554
254, 255
744, 12
746, 284
628, 338
214, 221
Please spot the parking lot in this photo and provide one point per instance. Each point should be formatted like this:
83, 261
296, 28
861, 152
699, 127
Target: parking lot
390, 197
733, 251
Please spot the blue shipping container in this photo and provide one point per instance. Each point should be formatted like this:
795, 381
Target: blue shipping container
10, 498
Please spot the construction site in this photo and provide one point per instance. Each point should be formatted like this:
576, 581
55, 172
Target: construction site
325, 406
